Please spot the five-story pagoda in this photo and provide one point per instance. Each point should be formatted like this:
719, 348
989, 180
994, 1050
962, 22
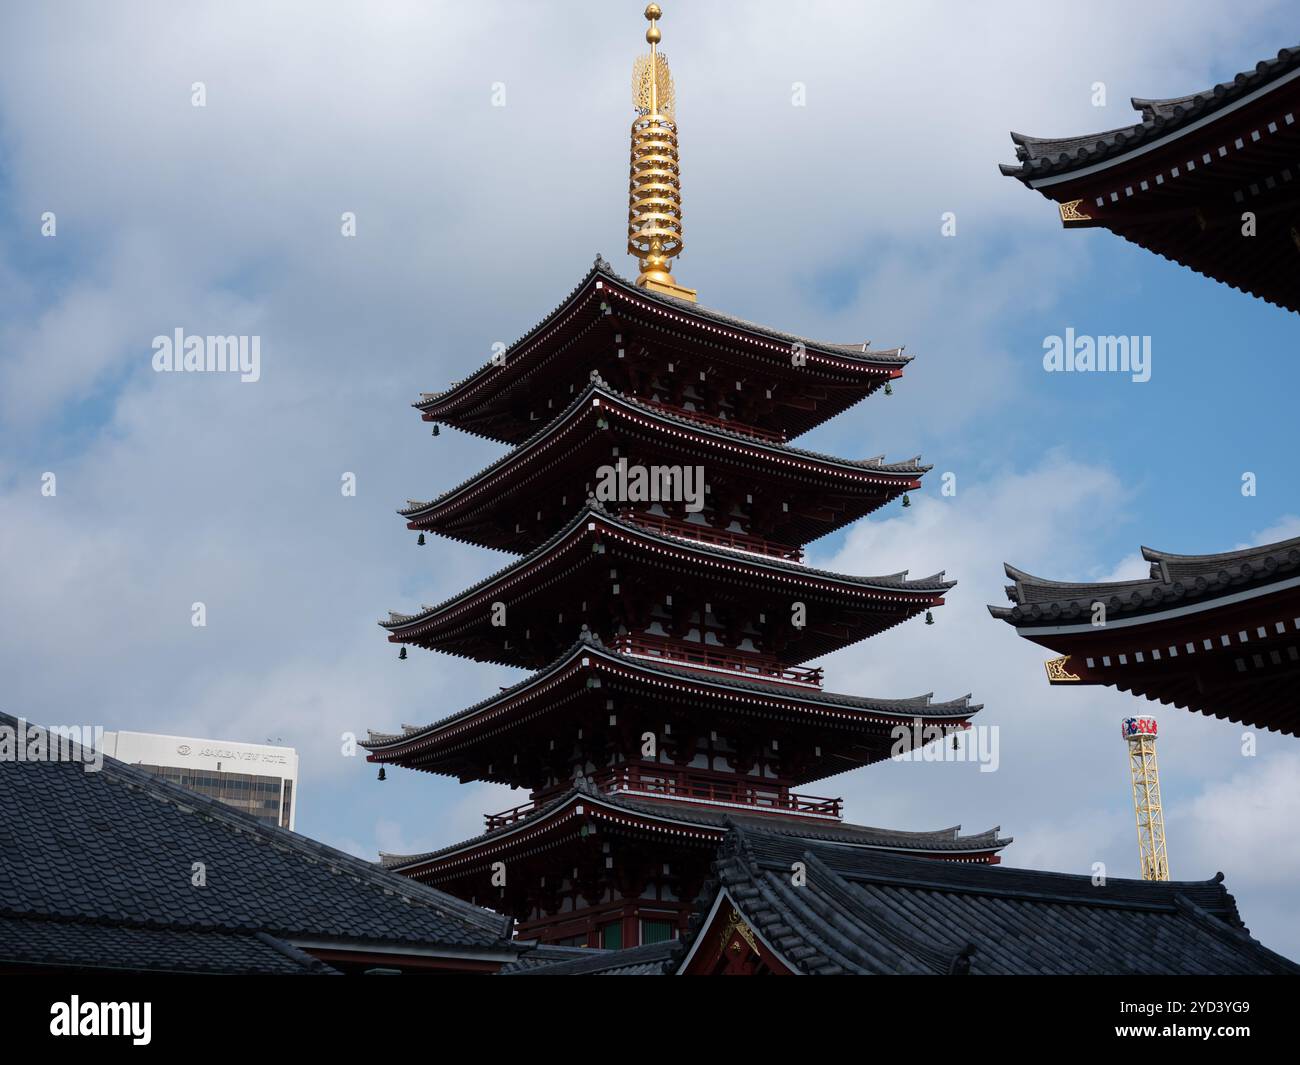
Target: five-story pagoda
659, 515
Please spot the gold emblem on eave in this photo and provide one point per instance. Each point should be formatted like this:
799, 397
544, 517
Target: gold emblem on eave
1057, 673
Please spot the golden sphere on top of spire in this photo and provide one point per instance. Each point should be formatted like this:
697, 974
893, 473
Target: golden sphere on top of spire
652, 13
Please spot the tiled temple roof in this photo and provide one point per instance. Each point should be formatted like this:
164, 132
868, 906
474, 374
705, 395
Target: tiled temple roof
1175, 580
867, 912
1046, 156
651, 959
95, 872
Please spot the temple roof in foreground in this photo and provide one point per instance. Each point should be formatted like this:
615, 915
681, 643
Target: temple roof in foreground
97, 866
703, 824
1216, 634
866, 912
563, 343
1176, 581
1162, 120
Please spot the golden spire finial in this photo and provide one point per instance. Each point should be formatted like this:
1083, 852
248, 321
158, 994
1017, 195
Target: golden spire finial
653, 14
654, 215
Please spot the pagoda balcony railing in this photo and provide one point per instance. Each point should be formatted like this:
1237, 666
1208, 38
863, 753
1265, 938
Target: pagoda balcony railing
669, 782
725, 423
509, 817
689, 530
715, 659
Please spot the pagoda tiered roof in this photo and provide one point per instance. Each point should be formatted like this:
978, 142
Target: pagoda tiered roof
859, 729
607, 320
556, 466
1216, 633
653, 496
1178, 181
565, 816
581, 558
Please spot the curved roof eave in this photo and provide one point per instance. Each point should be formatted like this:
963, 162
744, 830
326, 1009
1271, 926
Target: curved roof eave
1056, 159
857, 353
934, 584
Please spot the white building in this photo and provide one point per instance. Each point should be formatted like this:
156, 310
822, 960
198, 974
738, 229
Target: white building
252, 777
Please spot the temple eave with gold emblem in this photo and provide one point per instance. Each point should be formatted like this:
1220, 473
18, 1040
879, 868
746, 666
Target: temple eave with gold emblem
1208, 180
1217, 634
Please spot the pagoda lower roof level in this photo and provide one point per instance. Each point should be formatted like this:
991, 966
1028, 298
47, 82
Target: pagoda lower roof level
606, 573
827, 733
585, 804
611, 325
795, 495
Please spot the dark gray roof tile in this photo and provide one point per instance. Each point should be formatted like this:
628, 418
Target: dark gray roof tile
1174, 580
869, 912
1043, 156
651, 959
112, 850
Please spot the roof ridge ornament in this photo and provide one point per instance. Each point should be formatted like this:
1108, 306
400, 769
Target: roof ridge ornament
654, 212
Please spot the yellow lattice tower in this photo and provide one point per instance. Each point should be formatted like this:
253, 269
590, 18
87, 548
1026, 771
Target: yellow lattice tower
654, 212
1140, 734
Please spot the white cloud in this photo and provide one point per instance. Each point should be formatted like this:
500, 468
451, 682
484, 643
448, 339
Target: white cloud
1287, 528
1241, 821
1244, 825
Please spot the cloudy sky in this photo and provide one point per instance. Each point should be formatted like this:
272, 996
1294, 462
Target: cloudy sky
473, 222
